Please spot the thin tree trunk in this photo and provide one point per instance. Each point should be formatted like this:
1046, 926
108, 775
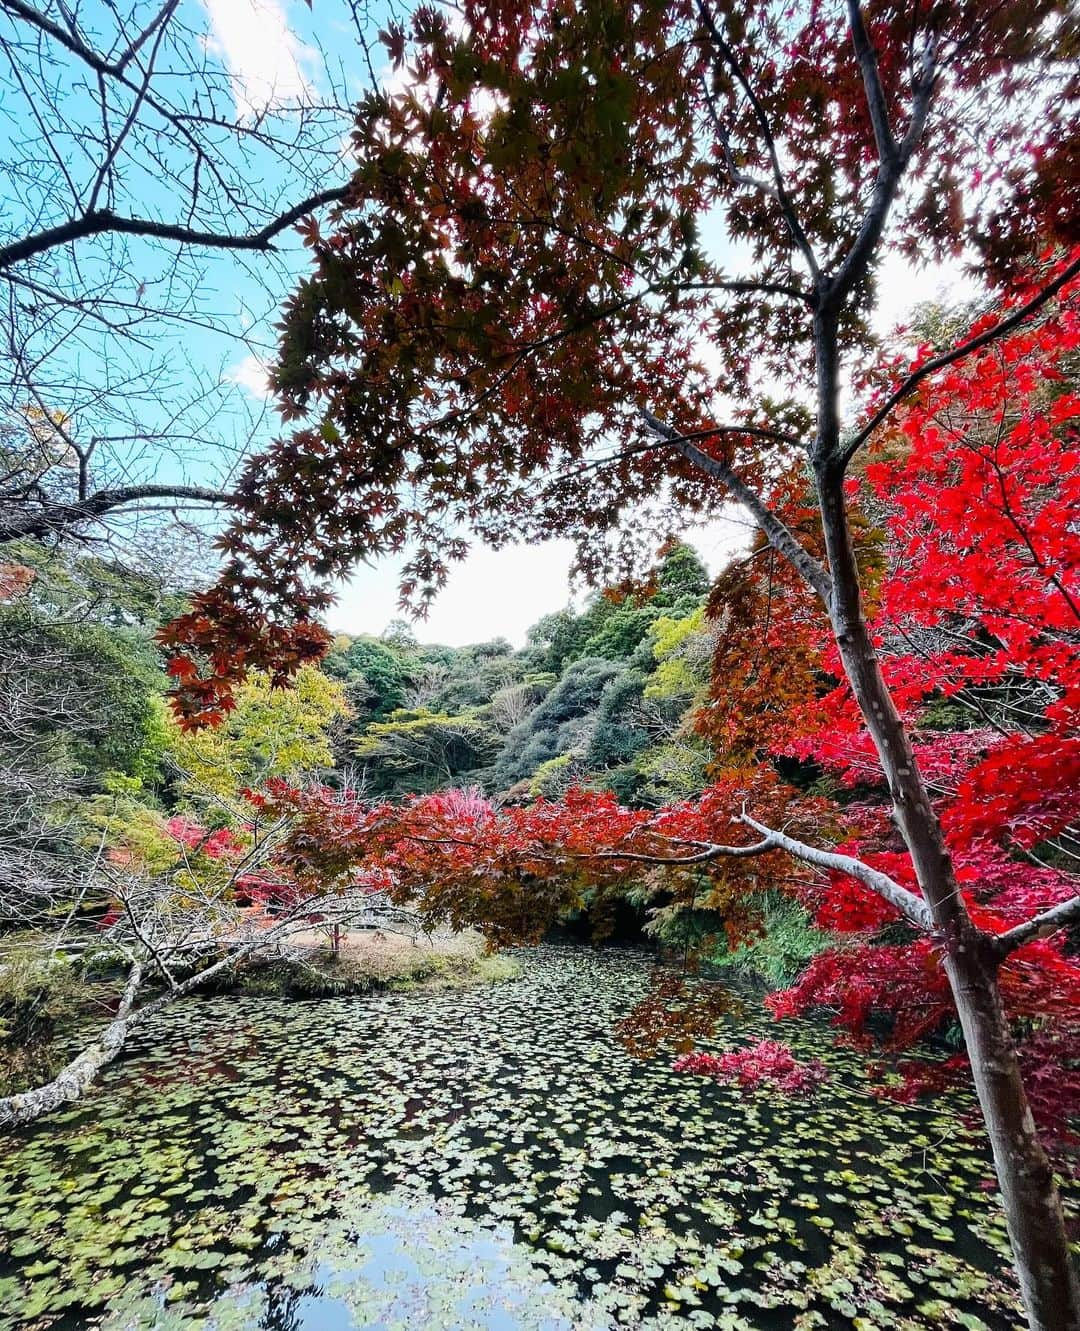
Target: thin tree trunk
1029, 1193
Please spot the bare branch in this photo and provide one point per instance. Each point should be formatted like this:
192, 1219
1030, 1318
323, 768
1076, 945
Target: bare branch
109, 68
1040, 926
780, 536
102, 220
912, 907
51, 518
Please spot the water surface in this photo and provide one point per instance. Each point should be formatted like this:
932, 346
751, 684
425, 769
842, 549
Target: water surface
488, 1158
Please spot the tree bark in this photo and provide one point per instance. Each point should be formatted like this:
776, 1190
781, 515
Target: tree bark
1029, 1193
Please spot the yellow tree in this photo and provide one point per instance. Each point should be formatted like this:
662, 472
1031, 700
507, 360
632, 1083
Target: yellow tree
272, 732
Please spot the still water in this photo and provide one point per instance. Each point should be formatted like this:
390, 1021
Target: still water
488, 1158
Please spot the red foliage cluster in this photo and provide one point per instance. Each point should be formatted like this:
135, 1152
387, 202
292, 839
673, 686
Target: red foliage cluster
15, 581
216, 844
976, 494
222, 639
766, 1063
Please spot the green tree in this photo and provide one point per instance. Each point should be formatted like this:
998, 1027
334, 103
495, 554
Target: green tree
272, 732
377, 675
417, 751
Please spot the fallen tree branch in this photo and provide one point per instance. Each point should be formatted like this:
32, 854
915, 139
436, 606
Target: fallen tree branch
73, 1080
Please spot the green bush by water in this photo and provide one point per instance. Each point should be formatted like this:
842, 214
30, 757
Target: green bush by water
788, 942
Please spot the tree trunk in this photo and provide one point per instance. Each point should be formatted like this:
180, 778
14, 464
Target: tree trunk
69, 1084
1030, 1199
1029, 1195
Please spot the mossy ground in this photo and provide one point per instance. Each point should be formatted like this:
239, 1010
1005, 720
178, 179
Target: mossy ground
371, 961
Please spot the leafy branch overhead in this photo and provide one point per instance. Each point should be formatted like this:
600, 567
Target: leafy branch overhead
604, 272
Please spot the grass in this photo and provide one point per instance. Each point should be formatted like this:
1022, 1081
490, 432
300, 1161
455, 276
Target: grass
374, 961
787, 944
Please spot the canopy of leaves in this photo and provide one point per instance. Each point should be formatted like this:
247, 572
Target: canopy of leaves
520, 268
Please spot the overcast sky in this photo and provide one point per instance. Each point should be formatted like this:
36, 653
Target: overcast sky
491, 594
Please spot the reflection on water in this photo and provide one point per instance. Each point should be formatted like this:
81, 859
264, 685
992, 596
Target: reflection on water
406, 1263
487, 1158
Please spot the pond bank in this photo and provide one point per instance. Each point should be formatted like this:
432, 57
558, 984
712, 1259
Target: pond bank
488, 1157
47, 1011
370, 961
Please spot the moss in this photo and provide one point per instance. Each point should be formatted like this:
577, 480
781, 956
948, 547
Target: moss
41, 997
450, 972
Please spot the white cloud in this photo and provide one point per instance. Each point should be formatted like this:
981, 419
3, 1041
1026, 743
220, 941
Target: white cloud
264, 57
491, 594
251, 375
904, 285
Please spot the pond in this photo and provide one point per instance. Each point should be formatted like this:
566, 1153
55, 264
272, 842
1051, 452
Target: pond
488, 1158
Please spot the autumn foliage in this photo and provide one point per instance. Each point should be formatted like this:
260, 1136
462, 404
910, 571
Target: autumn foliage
521, 266
765, 1063
500, 335
974, 549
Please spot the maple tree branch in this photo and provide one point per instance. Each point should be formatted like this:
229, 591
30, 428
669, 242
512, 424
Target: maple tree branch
712, 851
53, 517
720, 431
102, 220
779, 190
1039, 926
871, 77
890, 171
780, 536
747, 286
958, 353
912, 907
